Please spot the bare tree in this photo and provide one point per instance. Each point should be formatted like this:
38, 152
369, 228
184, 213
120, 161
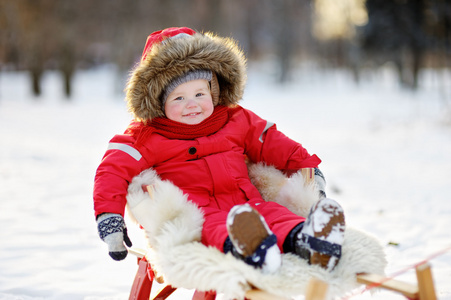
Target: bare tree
396, 32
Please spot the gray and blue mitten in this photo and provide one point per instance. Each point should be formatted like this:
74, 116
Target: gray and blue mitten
113, 232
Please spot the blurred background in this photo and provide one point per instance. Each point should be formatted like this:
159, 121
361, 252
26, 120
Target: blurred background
408, 36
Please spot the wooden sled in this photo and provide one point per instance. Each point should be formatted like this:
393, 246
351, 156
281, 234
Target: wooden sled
316, 289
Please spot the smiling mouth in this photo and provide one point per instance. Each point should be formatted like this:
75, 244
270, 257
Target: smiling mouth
192, 114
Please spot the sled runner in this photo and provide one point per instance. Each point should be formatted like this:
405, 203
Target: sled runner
173, 226
424, 290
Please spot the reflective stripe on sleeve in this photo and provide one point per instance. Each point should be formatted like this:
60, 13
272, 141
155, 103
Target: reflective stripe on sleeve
125, 148
268, 125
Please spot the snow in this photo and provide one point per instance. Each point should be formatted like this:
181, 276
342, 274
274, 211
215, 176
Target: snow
386, 157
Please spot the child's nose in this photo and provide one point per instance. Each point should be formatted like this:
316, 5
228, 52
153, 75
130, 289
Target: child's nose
191, 102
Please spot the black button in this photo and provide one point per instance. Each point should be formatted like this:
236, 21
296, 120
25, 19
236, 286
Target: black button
192, 150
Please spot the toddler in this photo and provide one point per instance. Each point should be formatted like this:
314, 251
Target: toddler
189, 128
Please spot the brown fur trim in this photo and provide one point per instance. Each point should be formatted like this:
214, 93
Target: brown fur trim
173, 58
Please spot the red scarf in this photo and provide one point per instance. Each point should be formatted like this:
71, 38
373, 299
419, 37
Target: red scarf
176, 130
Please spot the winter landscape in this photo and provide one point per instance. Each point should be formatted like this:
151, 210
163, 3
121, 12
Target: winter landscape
386, 156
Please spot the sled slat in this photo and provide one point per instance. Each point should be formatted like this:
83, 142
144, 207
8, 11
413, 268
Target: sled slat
139, 253
425, 282
316, 290
308, 174
407, 289
256, 294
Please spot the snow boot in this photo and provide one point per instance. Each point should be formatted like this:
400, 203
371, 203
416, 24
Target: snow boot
252, 239
322, 235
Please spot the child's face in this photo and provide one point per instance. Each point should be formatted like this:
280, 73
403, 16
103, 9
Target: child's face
190, 102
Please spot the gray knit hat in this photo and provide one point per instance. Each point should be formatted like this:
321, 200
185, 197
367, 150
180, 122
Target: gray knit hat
189, 76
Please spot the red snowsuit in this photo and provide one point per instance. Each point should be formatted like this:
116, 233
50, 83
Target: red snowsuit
211, 170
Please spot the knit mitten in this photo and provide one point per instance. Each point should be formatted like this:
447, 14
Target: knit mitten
113, 232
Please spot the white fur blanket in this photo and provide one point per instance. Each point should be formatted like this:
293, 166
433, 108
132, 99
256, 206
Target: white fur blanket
173, 228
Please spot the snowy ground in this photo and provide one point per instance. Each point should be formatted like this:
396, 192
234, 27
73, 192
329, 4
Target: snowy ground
386, 155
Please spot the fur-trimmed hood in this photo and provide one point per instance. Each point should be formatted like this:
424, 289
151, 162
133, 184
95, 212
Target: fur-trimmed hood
172, 58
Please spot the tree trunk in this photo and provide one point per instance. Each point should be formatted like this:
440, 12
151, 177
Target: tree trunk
67, 69
284, 38
36, 70
36, 74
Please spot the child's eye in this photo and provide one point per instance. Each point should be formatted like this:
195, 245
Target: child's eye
199, 94
179, 98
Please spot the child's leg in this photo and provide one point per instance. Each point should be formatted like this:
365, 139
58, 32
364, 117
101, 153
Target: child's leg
279, 219
318, 239
214, 230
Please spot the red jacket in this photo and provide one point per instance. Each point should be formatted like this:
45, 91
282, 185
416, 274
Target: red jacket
211, 170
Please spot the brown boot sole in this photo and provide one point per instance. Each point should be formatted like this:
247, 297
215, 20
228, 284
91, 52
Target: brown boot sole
247, 231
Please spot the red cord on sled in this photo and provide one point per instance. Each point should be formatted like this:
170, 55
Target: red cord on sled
414, 266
